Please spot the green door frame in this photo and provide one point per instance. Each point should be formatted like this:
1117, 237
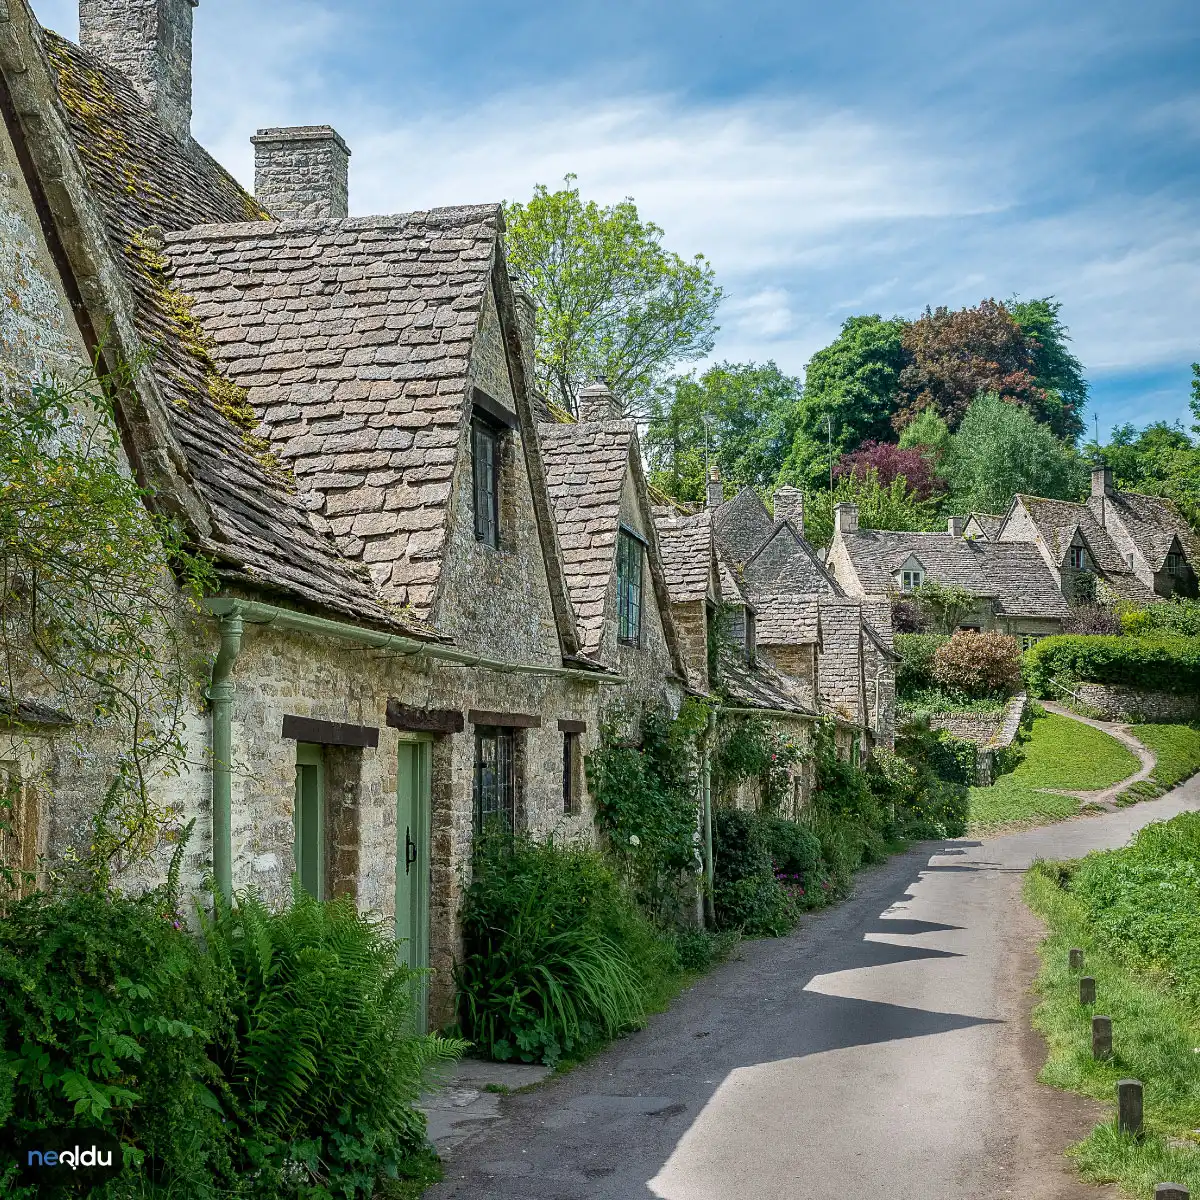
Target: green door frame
309, 818
413, 839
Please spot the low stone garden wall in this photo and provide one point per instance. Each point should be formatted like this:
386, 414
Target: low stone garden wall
1110, 703
991, 734
971, 727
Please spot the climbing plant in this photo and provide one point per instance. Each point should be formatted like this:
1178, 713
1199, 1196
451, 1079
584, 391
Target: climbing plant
748, 748
97, 592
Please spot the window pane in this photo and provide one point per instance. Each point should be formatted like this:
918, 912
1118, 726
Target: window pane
629, 587
485, 479
495, 776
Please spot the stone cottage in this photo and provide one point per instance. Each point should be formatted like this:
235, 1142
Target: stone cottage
338, 414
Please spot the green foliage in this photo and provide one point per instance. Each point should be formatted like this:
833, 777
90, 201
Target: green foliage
937, 701
893, 506
1157, 460
944, 605
700, 949
557, 956
748, 410
914, 671
320, 1061
1001, 449
612, 303
849, 386
107, 1010
1162, 662
1177, 753
1057, 371
978, 664
747, 896
928, 432
923, 803
96, 596
750, 748
953, 759
1177, 615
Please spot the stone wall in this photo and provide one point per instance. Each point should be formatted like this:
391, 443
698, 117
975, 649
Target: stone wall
972, 727
991, 734
691, 627
1133, 704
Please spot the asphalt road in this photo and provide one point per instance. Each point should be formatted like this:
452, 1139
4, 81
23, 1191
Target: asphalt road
883, 1051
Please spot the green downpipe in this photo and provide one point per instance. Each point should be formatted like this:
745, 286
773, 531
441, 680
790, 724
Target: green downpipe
710, 911
220, 692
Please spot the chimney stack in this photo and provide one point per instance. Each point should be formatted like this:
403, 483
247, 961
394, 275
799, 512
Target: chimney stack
955, 526
597, 403
845, 518
789, 506
1102, 481
150, 42
715, 492
302, 172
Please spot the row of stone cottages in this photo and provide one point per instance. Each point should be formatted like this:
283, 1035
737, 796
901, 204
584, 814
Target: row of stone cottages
432, 591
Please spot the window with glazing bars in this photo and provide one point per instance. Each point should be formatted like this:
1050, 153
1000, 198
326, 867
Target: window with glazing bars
495, 776
570, 772
485, 470
629, 588
1078, 558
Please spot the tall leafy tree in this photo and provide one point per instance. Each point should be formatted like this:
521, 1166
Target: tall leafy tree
880, 506
737, 416
891, 462
612, 303
1000, 449
849, 394
1055, 369
1158, 460
1194, 403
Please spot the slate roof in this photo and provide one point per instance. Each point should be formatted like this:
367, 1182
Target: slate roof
742, 525
1014, 574
988, 522
585, 466
141, 178
685, 544
353, 339
1153, 523
760, 686
787, 619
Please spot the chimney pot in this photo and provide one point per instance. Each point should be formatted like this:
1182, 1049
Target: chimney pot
1102, 481
302, 172
789, 506
150, 43
955, 526
845, 517
715, 490
597, 403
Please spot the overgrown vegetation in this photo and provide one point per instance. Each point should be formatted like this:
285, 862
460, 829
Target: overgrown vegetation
1177, 757
1133, 912
273, 1059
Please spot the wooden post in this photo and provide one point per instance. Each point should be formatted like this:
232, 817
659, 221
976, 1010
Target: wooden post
1075, 960
1171, 1191
1087, 990
1101, 1038
1129, 1106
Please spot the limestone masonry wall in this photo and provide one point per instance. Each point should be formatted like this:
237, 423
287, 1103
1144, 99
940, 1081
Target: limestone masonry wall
1134, 704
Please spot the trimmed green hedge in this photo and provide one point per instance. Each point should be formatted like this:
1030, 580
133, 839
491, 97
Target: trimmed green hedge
1161, 664
914, 671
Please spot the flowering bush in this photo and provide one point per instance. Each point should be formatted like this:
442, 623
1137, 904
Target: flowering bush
978, 664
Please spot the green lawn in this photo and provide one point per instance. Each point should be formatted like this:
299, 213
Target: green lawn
1178, 750
1061, 753
1131, 911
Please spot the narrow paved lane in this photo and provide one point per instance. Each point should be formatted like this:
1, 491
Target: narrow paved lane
881, 1051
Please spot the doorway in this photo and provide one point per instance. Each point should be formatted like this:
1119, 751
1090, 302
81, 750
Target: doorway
413, 837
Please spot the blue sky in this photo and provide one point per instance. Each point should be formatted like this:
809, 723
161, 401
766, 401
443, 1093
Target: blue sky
867, 156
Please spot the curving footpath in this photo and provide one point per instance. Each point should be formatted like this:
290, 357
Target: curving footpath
882, 1051
1106, 797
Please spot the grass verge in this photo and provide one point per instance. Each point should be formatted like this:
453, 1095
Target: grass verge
1060, 753
1144, 983
1177, 748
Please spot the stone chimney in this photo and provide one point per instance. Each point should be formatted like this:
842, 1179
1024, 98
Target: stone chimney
597, 403
1102, 481
789, 506
302, 172
715, 492
845, 518
150, 42
955, 526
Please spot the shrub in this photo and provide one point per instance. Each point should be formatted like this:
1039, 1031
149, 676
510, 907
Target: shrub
925, 805
793, 848
557, 955
914, 671
107, 1009
907, 616
1161, 663
1091, 619
1177, 615
321, 1062
952, 759
978, 664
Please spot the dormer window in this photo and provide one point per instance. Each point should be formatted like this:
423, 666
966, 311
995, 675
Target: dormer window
1078, 558
485, 480
911, 579
1175, 563
629, 588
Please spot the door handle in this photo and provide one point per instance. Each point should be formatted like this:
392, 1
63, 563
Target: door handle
410, 850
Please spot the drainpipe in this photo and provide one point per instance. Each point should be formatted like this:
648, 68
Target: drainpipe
706, 804
220, 692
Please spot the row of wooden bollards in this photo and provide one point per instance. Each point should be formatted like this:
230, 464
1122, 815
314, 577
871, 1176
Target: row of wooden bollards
1129, 1091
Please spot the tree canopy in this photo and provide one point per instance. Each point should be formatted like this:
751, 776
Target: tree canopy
1057, 371
612, 303
1157, 460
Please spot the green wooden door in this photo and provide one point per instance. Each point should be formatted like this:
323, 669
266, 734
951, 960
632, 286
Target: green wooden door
412, 864
309, 816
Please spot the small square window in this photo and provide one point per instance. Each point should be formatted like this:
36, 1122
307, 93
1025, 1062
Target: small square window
629, 588
485, 478
912, 579
495, 784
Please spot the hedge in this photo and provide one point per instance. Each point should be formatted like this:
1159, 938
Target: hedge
1162, 664
915, 668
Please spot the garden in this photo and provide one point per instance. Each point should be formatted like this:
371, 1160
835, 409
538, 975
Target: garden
1133, 913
